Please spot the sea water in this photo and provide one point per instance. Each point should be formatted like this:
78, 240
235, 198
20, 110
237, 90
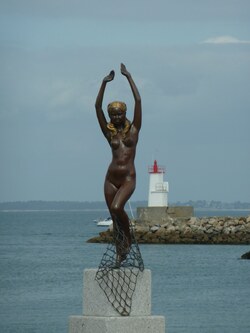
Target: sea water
198, 288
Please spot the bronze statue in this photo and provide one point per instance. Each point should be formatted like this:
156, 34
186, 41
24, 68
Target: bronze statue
120, 181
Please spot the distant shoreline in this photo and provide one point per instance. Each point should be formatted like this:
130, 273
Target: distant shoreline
55, 210
39, 205
218, 209
106, 210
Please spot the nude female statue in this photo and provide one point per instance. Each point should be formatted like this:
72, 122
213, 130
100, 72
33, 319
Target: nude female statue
122, 136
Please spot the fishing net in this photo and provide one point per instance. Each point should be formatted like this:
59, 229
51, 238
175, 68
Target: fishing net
118, 271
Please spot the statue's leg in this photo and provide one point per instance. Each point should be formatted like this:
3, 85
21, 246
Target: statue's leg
110, 191
121, 218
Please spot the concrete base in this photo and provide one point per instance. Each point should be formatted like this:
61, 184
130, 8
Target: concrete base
95, 301
91, 324
100, 317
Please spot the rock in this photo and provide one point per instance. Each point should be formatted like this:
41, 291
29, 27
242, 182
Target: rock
141, 229
94, 240
238, 228
154, 228
194, 227
246, 255
193, 220
218, 228
209, 231
170, 229
247, 226
212, 221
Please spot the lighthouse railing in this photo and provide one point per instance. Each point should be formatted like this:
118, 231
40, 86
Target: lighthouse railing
160, 169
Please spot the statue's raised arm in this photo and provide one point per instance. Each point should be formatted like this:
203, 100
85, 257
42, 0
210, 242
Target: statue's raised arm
98, 104
137, 109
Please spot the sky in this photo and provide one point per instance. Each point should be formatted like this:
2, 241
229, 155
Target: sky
190, 60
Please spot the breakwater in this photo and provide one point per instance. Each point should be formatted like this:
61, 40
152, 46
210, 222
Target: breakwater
193, 230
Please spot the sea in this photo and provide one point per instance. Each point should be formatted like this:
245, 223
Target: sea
198, 288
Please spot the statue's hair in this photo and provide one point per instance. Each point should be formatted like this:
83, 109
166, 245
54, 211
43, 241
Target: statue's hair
117, 104
113, 129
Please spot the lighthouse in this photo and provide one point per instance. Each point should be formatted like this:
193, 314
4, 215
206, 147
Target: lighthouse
158, 189
158, 211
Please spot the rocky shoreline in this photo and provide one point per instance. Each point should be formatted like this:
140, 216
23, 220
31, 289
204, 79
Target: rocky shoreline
194, 230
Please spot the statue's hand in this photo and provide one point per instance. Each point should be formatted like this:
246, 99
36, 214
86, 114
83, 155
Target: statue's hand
124, 70
109, 77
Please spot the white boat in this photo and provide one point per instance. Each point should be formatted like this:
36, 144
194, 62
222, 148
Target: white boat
105, 223
108, 221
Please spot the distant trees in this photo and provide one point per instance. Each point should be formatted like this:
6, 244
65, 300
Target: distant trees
214, 204
93, 205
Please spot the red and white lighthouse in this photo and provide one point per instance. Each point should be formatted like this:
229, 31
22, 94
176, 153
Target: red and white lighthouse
158, 189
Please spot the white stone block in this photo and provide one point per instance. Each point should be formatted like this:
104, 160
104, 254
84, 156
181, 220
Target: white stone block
95, 302
140, 324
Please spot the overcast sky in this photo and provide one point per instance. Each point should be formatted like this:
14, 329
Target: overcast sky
191, 62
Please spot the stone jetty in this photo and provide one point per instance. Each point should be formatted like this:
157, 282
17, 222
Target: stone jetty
192, 230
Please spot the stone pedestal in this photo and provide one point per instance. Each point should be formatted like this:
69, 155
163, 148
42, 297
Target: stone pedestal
100, 317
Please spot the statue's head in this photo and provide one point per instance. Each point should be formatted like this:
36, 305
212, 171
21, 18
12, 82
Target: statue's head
117, 113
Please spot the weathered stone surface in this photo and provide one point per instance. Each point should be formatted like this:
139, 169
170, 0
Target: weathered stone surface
152, 215
97, 324
99, 316
95, 302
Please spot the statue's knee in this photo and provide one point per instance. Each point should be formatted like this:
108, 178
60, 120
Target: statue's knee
115, 210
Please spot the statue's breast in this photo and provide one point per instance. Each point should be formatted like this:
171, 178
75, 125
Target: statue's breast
128, 142
115, 143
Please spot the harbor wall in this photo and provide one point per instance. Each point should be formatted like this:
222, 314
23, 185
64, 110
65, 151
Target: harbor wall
152, 215
193, 230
